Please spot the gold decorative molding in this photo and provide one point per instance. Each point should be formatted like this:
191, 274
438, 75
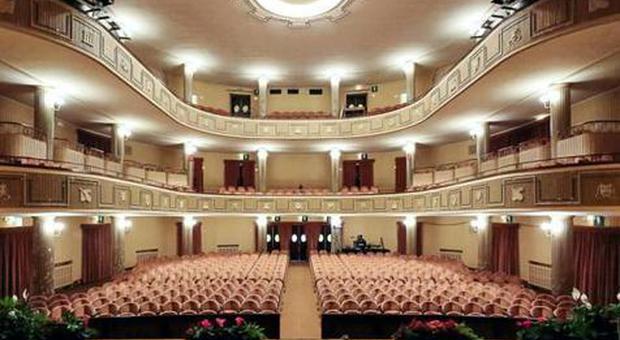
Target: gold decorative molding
29, 190
543, 20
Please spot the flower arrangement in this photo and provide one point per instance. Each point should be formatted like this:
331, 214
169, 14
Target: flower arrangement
435, 330
18, 321
220, 330
587, 322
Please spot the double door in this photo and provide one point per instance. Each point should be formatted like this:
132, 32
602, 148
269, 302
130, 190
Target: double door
298, 246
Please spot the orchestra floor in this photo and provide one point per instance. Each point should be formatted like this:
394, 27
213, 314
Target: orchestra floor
299, 318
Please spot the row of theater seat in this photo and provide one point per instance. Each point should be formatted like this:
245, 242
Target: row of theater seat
211, 284
385, 109
354, 284
299, 115
294, 192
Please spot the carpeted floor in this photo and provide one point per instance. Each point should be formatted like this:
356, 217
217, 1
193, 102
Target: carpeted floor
299, 317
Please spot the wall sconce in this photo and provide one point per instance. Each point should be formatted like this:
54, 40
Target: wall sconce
476, 132
127, 225
262, 153
54, 228
549, 97
335, 221
189, 222
553, 227
478, 224
124, 131
410, 221
190, 148
335, 153
261, 221
55, 99
409, 148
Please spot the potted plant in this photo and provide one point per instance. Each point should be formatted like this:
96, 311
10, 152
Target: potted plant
435, 330
17, 321
69, 328
218, 329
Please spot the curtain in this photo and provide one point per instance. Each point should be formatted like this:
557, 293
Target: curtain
348, 173
198, 174
15, 260
231, 173
313, 230
249, 172
197, 238
401, 237
505, 248
367, 174
96, 252
419, 237
400, 173
597, 262
286, 230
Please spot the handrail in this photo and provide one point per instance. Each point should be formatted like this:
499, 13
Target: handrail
20, 128
587, 127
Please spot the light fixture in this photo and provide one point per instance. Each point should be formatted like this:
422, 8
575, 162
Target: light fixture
541, 116
277, 238
553, 227
190, 67
477, 131
268, 238
329, 238
261, 221
408, 67
127, 225
189, 221
305, 9
549, 97
321, 238
194, 99
124, 131
334, 80
409, 148
53, 227
294, 238
54, 98
263, 81
190, 148
336, 221
410, 221
13, 221
479, 224
335, 153
303, 238
262, 153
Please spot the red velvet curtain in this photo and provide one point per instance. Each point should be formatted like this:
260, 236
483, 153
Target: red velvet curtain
597, 262
313, 230
400, 173
348, 173
419, 237
96, 252
401, 237
286, 230
249, 171
197, 238
180, 242
367, 172
505, 248
15, 260
198, 174
231, 173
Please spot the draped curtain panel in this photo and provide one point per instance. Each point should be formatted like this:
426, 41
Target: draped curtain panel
198, 174
197, 238
286, 230
348, 173
597, 262
401, 237
400, 173
367, 172
96, 252
231, 173
313, 230
419, 237
15, 260
249, 172
180, 241
505, 248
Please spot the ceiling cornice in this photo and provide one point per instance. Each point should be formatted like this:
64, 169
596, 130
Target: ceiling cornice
335, 14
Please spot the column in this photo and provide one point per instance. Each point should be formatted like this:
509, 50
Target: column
335, 96
43, 255
335, 155
120, 227
409, 150
263, 93
409, 71
483, 138
188, 82
189, 149
562, 272
336, 231
187, 235
560, 112
119, 133
411, 225
46, 103
261, 160
261, 234
482, 226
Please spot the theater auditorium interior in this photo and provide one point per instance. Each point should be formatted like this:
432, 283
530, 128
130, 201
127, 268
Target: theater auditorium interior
310, 169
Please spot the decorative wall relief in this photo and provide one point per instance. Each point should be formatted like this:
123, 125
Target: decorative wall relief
5, 195
517, 194
605, 191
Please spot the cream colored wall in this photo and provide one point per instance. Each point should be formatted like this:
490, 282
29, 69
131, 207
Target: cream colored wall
14, 111
291, 170
68, 245
604, 106
150, 233
214, 167
385, 176
228, 230
373, 228
300, 102
450, 233
533, 244
430, 156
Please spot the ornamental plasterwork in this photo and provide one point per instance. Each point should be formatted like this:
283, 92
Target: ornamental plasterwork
339, 11
605, 191
4, 192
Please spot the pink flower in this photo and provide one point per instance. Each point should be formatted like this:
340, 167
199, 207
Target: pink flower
206, 324
220, 322
239, 321
526, 324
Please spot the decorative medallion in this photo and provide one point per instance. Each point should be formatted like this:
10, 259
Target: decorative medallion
517, 194
605, 191
86, 195
299, 13
4, 192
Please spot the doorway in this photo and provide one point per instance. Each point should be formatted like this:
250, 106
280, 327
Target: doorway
298, 246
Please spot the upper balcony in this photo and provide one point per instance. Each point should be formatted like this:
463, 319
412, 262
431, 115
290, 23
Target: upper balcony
511, 64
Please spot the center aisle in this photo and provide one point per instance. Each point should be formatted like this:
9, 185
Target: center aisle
299, 318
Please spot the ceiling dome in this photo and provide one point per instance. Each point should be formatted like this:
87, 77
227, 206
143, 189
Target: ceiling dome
299, 13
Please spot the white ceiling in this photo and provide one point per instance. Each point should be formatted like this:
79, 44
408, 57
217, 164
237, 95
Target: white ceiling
233, 47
